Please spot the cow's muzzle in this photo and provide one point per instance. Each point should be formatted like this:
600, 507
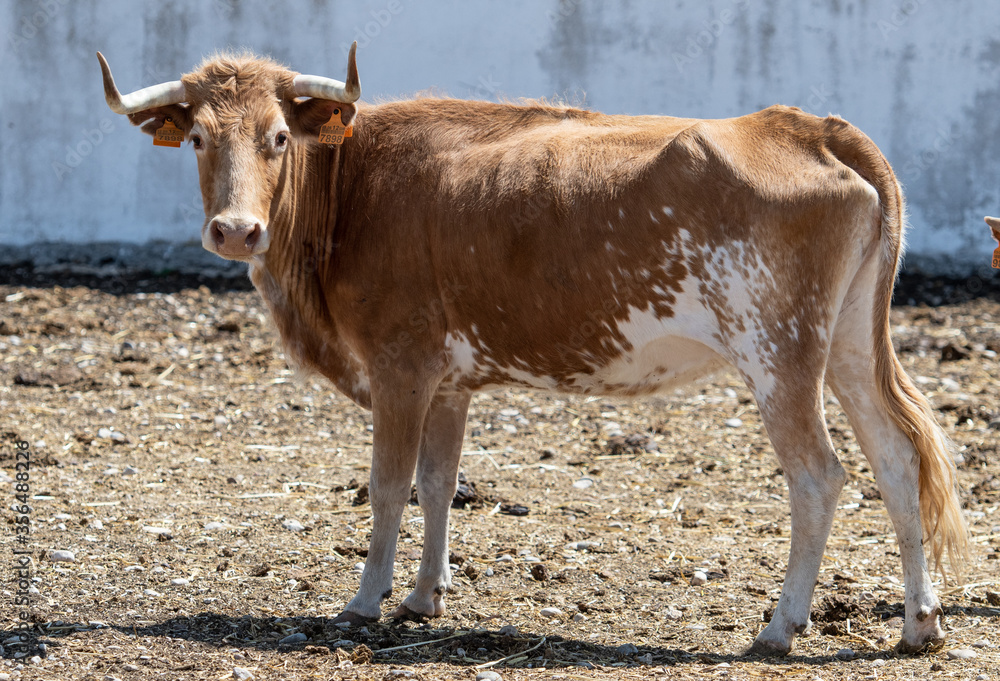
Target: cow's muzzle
235, 238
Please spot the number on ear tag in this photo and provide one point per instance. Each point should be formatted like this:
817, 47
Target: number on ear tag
168, 136
334, 131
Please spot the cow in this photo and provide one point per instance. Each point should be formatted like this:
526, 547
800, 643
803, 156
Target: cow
439, 247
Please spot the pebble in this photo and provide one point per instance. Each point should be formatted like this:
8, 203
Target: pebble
152, 592
104, 433
242, 674
131, 667
733, 423
220, 421
962, 654
294, 638
845, 654
96, 525
293, 525
488, 676
358, 568
673, 614
214, 525
155, 530
581, 545
583, 483
510, 429
4, 677
130, 470
62, 557
134, 568
981, 643
550, 612
626, 649
342, 643
180, 581
579, 617
508, 630
699, 578
118, 437
950, 384
648, 658
111, 678
401, 674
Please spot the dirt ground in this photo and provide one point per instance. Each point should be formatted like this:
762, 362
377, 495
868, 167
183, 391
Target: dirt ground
215, 506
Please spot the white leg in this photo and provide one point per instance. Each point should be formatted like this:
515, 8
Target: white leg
398, 415
895, 462
437, 479
794, 422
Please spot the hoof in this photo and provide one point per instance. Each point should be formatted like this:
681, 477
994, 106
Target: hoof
353, 619
761, 648
404, 613
906, 648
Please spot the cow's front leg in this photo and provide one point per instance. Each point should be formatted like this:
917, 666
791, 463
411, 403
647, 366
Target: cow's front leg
437, 476
398, 415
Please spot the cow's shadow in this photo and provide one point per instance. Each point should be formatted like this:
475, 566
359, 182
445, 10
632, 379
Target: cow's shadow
409, 643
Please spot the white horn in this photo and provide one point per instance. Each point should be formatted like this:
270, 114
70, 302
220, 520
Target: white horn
140, 100
328, 88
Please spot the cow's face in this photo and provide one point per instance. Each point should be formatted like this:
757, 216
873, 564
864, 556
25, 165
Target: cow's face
245, 117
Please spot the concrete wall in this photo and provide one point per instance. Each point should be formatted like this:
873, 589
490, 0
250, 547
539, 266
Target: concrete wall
921, 77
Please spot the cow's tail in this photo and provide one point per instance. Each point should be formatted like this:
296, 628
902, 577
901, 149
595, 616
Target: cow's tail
945, 530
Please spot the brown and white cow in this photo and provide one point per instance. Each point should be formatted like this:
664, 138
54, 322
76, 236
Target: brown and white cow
451, 246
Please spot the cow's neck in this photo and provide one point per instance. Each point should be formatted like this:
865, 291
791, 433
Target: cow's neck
294, 275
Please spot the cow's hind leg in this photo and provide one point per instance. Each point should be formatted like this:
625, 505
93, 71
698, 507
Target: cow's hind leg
857, 355
399, 407
437, 478
792, 412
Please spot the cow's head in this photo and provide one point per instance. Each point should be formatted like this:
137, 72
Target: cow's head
243, 115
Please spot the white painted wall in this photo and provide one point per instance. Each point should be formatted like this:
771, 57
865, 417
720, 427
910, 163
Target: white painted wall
921, 77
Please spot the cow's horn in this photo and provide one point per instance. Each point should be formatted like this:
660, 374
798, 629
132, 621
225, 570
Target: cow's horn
140, 100
328, 88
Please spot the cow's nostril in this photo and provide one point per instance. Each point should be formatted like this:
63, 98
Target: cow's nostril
253, 237
217, 236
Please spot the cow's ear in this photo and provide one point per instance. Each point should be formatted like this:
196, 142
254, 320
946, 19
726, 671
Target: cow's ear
994, 224
309, 115
152, 120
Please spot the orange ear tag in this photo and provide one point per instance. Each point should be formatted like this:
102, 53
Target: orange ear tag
334, 131
996, 258
168, 136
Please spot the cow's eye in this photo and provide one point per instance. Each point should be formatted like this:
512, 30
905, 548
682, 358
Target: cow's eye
280, 139
196, 141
